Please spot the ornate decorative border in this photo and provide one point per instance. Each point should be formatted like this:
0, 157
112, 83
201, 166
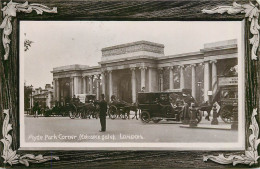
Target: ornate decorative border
252, 13
251, 155
10, 11
10, 156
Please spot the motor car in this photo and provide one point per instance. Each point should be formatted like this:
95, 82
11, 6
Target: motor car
168, 105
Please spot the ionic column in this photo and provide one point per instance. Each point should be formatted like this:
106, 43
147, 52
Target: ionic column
143, 77
31, 101
98, 83
214, 77
54, 89
161, 78
150, 79
84, 85
72, 86
133, 85
58, 89
193, 80
206, 81
182, 82
103, 76
110, 84
76, 85
90, 78
171, 86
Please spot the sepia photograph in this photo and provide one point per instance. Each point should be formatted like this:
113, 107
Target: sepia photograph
132, 84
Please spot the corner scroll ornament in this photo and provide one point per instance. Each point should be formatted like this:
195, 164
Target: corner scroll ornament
251, 155
251, 12
10, 156
10, 11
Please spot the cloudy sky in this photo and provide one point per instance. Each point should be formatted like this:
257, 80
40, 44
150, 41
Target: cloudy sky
62, 43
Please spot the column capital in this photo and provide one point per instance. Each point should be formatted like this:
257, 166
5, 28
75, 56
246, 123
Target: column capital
104, 73
90, 76
170, 67
160, 69
132, 68
201, 64
193, 65
98, 76
143, 67
109, 71
181, 66
213, 61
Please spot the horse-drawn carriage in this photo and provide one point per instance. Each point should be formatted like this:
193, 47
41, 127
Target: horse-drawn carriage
170, 106
120, 109
83, 108
74, 108
228, 101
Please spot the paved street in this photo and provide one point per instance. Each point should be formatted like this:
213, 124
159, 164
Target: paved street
64, 129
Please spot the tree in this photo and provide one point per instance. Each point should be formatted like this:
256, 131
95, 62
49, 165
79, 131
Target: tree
27, 94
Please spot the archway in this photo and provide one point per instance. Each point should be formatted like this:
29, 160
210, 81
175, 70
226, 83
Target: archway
125, 88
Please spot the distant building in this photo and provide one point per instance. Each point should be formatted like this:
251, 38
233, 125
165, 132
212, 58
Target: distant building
125, 69
44, 97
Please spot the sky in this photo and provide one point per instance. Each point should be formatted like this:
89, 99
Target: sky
60, 43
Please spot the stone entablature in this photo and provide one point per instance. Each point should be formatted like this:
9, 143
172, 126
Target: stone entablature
220, 48
132, 65
93, 70
225, 43
211, 51
133, 47
70, 68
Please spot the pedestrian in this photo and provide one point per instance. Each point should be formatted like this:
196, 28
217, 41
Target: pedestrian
36, 109
143, 89
102, 113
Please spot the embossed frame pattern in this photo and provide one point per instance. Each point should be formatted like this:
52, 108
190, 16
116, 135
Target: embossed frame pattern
127, 10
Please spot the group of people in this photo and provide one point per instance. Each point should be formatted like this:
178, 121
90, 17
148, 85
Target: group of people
102, 109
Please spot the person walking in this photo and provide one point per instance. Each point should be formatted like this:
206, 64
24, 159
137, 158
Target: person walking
102, 113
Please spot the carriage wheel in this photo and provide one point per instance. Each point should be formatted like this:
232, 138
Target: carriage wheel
198, 116
71, 114
127, 112
145, 116
72, 111
83, 113
88, 114
226, 114
112, 112
78, 114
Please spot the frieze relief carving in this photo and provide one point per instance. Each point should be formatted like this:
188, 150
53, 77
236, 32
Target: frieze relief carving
134, 48
9, 11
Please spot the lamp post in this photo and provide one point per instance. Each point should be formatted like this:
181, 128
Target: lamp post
31, 99
199, 85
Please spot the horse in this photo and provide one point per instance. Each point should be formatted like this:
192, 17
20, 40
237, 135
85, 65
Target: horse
206, 106
134, 108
